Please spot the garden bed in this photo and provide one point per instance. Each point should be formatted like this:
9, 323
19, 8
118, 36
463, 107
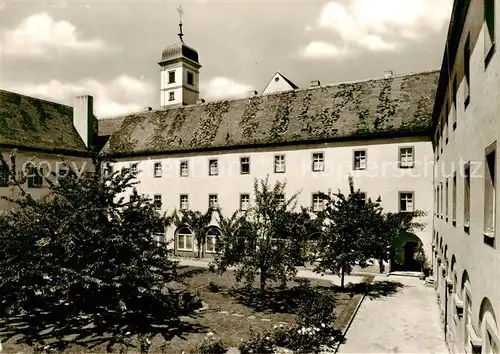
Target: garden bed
228, 312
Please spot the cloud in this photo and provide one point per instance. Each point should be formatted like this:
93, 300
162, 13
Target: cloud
40, 35
319, 50
219, 88
382, 25
124, 94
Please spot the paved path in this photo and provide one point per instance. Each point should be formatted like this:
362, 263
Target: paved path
406, 322
301, 272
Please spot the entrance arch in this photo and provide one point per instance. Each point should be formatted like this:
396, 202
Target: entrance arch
404, 248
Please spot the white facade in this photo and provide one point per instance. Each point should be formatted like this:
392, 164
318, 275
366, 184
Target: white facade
466, 218
382, 176
278, 84
180, 91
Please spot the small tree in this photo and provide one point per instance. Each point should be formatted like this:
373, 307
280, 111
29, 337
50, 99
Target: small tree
197, 221
84, 254
349, 232
252, 240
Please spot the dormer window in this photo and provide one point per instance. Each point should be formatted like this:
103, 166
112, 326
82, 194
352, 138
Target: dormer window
190, 78
171, 77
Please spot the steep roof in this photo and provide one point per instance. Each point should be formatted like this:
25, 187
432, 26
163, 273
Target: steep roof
288, 81
28, 122
107, 126
397, 105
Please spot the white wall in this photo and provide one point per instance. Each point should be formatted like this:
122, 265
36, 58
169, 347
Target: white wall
382, 177
277, 86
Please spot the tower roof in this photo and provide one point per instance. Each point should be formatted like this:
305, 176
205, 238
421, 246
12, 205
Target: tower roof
177, 51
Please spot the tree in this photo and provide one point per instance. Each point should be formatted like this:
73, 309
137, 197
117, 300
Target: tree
350, 224
357, 231
83, 255
252, 241
197, 221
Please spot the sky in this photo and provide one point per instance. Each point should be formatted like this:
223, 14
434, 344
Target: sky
60, 49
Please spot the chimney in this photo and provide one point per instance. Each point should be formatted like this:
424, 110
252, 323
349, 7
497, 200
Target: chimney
315, 83
83, 118
200, 100
253, 93
387, 74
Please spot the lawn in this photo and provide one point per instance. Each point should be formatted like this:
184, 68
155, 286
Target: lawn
230, 312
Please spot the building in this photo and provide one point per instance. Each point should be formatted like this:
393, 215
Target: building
44, 134
466, 133
279, 83
197, 155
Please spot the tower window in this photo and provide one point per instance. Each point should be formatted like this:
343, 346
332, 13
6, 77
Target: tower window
171, 77
190, 78
171, 96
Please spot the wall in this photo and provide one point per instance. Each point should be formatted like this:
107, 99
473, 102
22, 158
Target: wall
382, 177
47, 162
478, 126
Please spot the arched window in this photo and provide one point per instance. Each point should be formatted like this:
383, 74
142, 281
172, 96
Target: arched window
184, 239
211, 238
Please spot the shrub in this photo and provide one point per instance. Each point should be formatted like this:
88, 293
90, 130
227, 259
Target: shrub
303, 339
257, 344
213, 287
315, 307
211, 345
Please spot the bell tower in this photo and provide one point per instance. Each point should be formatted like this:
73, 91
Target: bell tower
180, 71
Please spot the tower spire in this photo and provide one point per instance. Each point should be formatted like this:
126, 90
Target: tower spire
181, 12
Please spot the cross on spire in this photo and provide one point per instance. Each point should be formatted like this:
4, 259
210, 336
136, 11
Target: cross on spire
181, 12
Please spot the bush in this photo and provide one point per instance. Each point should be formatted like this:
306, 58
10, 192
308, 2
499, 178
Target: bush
316, 307
257, 344
211, 345
213, 287
305, 339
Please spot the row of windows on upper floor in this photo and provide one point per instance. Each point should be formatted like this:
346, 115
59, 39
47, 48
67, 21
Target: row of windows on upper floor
406, 201
442, 192
441, 137
360, 161
35, 175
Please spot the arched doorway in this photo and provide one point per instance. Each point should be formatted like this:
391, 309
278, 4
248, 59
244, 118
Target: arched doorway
404, 248
211, 236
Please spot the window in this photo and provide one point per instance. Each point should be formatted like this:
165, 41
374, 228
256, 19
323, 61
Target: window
442, 199
279, 163
157, 201
317, 202
492, 344
184, 239
211, 239
318, 162
489, 192
281, 199
35, 177
446, 117
489, 32
108, 169
446, 201
157, 169
359, 159
467, 71
405, 201
4, 176
467, 196
467, 318
212, 201
454, 200
244, 202
438, 201
190, 78
171, 96
184, 169
133, 168
455, 87
171, 77
406, 157
184, 202
245, 165
213, 168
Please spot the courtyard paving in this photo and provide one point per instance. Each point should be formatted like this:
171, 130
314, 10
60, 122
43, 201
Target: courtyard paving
406, 322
